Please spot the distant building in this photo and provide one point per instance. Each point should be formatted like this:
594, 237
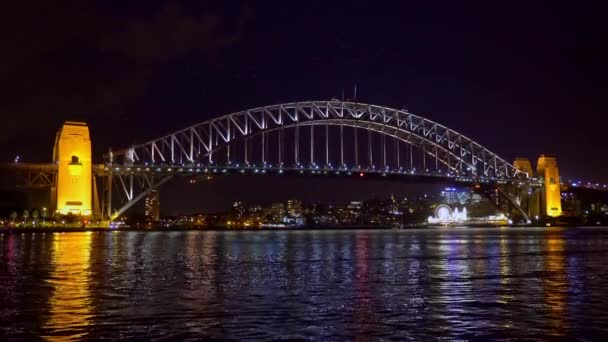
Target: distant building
255, 208
152, 206
355, 206
294, 208
449, 196
276, 212
239, 209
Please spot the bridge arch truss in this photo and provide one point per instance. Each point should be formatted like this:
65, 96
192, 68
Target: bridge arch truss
327, 135
203, 142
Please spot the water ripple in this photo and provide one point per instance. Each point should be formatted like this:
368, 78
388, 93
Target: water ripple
319, 285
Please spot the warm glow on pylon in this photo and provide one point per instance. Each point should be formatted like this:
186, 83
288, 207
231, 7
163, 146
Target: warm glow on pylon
74, 178
548, 170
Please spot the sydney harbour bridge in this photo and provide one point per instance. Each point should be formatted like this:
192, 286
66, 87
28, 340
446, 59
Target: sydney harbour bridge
313, 138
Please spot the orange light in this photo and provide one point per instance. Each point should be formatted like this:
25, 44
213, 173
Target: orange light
72, 153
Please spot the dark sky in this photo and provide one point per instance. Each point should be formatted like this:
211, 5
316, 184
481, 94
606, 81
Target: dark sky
521, 78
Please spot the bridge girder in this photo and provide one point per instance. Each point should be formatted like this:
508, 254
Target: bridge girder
195, 143
199, 146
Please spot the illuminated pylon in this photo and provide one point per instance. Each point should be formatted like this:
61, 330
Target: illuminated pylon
548, 171
72, 154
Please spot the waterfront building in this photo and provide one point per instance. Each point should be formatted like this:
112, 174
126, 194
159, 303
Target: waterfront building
276, 212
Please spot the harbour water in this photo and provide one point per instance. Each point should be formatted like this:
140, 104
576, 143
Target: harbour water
463, 283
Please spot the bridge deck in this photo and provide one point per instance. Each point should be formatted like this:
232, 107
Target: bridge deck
202, 170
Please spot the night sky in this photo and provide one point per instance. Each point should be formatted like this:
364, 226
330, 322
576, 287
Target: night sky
521, 78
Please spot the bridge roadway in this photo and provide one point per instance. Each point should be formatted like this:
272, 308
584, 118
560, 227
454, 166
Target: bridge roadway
41, 175
410, 176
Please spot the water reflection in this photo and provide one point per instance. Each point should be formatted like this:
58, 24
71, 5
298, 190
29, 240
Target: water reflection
320, 285
364, 310
456, 290
555, 283
70, 304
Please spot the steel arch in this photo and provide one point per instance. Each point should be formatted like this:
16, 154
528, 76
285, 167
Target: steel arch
192, 144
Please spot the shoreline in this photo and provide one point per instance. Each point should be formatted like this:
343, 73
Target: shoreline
6, 230
181, 228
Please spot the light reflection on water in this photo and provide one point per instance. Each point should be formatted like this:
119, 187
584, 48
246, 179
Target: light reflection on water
555, 286
464, 283
70, 305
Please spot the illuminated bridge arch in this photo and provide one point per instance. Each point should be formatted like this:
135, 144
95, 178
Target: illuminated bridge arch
198, 144
332, 136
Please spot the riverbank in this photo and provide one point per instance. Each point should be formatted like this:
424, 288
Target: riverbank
160, 228
9, 230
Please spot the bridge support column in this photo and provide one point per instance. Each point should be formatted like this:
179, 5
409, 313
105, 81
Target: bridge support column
546, 200
551, 197
96, 205
506, 201
534, 200
72, 153
524, 164
109, 197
